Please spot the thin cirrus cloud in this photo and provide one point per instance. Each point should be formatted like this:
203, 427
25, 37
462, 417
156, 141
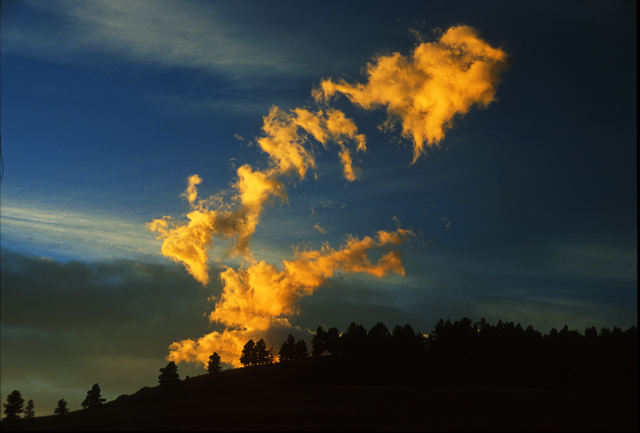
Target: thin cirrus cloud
164, 33
73, 233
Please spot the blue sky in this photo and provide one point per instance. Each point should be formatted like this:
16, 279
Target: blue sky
525, 212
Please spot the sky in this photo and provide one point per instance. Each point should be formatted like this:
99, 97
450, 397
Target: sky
182, 176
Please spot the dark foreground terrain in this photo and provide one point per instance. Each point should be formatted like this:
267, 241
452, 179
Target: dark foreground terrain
322, 394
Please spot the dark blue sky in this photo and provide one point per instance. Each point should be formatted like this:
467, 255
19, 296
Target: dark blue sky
526, 212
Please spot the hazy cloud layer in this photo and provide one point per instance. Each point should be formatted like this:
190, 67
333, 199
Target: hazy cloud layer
70, 325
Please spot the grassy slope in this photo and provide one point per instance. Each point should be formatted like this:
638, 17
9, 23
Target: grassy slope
323, 394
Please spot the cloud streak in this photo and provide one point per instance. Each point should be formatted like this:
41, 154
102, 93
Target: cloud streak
70, 233
159, 32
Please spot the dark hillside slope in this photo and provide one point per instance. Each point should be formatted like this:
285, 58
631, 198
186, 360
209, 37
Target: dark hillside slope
333, 394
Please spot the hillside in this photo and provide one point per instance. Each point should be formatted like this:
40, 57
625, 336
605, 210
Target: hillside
333, 393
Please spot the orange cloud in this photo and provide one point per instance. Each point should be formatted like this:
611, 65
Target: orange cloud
192, 193
286, 133
425, 91
261, 297
227, 344
189, 242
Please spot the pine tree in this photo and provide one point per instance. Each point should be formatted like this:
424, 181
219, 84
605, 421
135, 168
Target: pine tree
13, 406
214, 365
169, 375
29, 412
300, 350
93, 399
248, 352
333, 341
319, 342
62, 407
288, 349
262, 354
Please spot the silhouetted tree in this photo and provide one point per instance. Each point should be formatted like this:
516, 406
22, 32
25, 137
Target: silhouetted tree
169, 375
29, 411
93, 398
379, 334
300, 350
262, 355
214, 365
354, 339
288, 349
534, 337
333, 342
13, 406
591, 334
319, 342
248, 352
552, 335
62, 407
616, 334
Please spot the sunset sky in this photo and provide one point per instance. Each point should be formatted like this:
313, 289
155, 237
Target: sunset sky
182, 176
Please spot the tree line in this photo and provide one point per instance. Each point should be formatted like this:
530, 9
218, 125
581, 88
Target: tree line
13, 408
465, 352
461, 352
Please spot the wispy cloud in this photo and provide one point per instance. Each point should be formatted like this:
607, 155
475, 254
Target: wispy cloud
594, 259
70, 233
164, 33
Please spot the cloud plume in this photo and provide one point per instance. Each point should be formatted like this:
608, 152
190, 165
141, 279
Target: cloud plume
286, 134
189, 242
261, 297
236, 213
425, 91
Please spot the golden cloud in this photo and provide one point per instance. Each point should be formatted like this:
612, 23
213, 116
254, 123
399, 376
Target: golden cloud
424, 92
261, 297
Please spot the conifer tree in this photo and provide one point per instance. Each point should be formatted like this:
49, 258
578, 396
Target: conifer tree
262, 354
319, 342
169, 375
333, 341
13, 406
288, 349
29, 411
62, 407
300, 350
248, 352
94, 398
214, 365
